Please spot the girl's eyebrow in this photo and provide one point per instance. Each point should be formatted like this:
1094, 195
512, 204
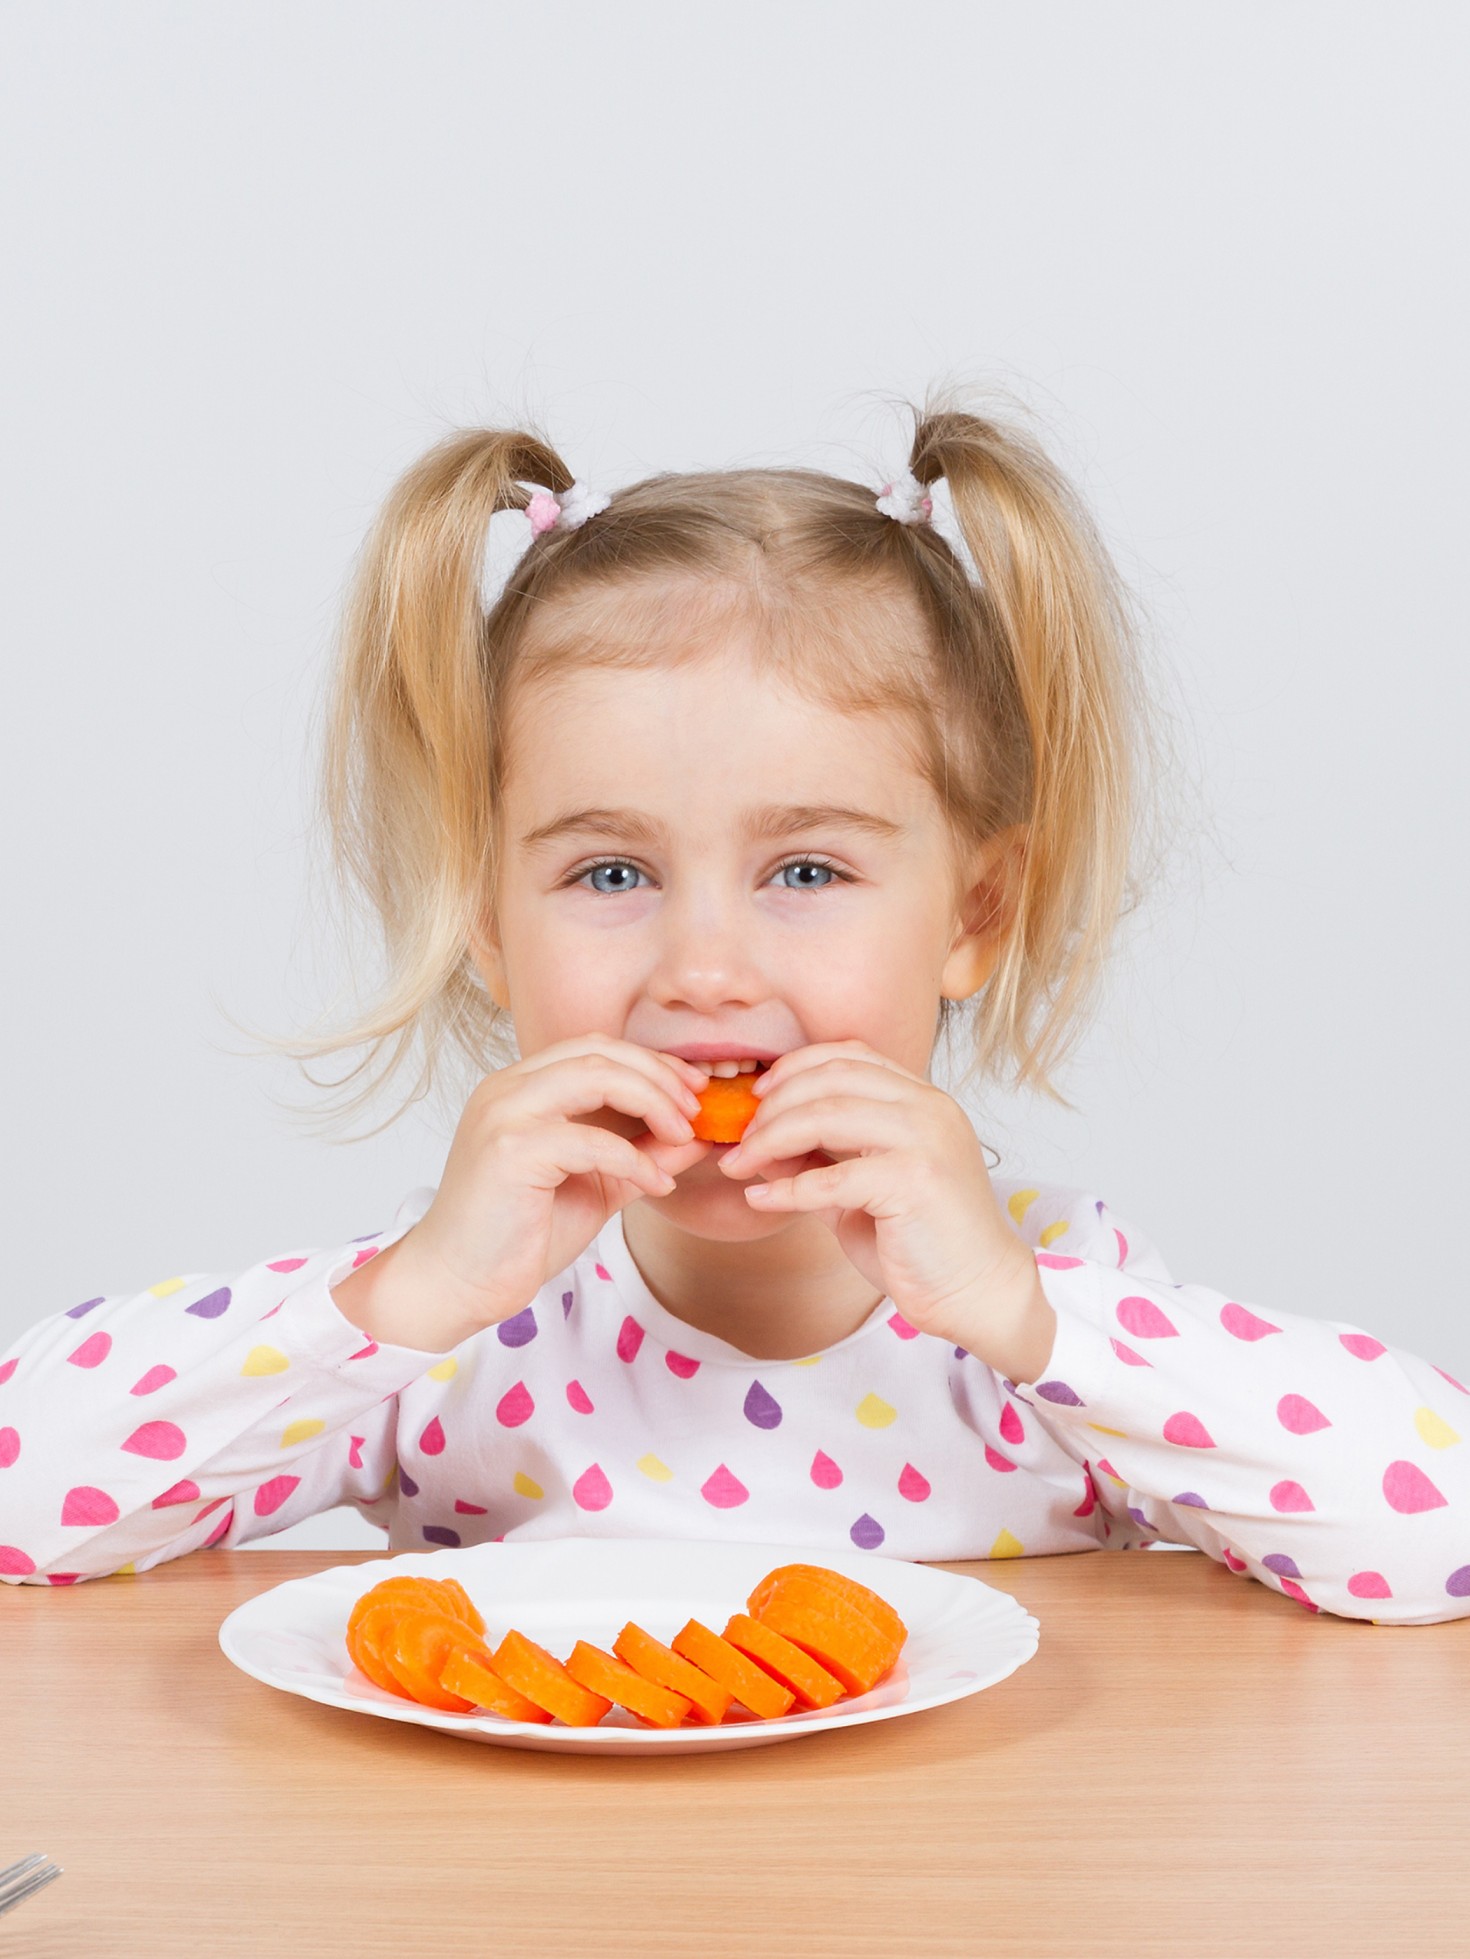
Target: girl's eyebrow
764, 820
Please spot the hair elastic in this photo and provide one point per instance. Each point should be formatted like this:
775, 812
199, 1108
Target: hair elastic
568, 512
906, 499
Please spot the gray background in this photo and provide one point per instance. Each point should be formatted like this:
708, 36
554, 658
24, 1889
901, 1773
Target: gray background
257, 259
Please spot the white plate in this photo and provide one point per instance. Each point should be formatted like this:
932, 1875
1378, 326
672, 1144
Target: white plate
962, 1635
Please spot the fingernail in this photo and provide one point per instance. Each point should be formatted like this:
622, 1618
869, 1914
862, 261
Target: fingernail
733, 1156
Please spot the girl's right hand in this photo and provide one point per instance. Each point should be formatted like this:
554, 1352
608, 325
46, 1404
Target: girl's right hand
532, 1175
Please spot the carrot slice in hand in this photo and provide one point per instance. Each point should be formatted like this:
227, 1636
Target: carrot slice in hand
807, 1678
600, 1673
843, 1639
665, 1668
726, 1109
751, 1685
878, 1609
542, 1678
469, 1672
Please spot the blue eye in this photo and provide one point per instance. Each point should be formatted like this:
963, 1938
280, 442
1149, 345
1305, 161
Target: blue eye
624, 863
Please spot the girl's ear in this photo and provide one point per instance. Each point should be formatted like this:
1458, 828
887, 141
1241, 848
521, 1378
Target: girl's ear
986, 915
489, 964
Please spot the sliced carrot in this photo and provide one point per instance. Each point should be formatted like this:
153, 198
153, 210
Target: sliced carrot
751, 1685
467, 1609
469, 1673
363, 1647
844, 1640
665, 1668
414, 1646
726, 1109
878, 1609
600, 1673
807, 1678
431, 1593
542, 1678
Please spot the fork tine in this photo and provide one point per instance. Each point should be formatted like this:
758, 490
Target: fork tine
28, 1885
14, 1870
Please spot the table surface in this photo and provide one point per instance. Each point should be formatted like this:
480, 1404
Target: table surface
1191, 1763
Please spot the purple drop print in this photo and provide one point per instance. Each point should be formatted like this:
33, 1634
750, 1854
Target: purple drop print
441, 1534
1283, 1566
566, 1305
867, 1533
1189, 1496
406, 1483
761, 1408
1458, 1582
519, 1330
1059, 1391
211, 1306
76, 1312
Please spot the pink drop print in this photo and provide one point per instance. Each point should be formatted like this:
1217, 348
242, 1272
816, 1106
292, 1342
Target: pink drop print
9, 1446
1122, 1246
997, 1460
93, 1350
1232, 1561
515, 1406
354, 1450
8, 1367
1368, 1584
912, 1485
1010, 1425
592, 1491
630, 1337
14, 1563
163, 1441
681, 1365
603, 1273
470, 1509
1289, 1496
1187, 1431
1438, 1370
1301, 1416
1127, 1355
1055, 1262
186, 1492
84, 1505
1143, 1318
284, 1264
270, 1496
1408, 1490
825, 1473
1244, 1324
902, 1328
156, 1377
1362, 1346
431, 1442
723, 1490
218, 1532
579, 1398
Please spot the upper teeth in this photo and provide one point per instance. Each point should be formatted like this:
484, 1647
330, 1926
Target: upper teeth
730, 1067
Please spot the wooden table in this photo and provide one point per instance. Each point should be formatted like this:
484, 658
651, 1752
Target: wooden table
1191, 1764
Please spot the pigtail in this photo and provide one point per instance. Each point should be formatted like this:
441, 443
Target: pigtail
1054, 610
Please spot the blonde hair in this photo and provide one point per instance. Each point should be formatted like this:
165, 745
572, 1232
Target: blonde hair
1018, 695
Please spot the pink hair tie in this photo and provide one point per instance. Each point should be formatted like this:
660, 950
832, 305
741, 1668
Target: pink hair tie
568, 512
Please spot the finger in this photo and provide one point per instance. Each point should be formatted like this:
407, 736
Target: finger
655, 1063
575, 1149
858, 1183
826, 1056
580, 1084
838, 1124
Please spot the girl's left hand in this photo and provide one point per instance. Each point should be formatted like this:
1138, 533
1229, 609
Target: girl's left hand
908, 1194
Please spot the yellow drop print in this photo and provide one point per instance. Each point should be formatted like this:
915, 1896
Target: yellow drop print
1006, 1546
165, 1287
652, 1467
389, 1480
444, 1370
523, 1486
1121, 1433
1052, 1233
265, 1360
1020, 1201
301, 1432
873, 1412
1434, 1429
128, 1570
810, 1361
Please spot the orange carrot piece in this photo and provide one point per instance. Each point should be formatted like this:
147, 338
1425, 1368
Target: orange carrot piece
600, 1673
429, 1593
542, 1678
665, 1668
467, 1608
726, 1109
844, 1640
878, 1609
807, 1678
414, 1646
751, 1685
363, 1647
469, 1673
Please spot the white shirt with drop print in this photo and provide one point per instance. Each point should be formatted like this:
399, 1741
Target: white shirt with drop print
217, 1409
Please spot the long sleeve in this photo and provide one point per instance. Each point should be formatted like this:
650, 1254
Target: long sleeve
1306, 1453
206, 1409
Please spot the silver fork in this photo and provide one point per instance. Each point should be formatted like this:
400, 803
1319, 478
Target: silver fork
23, 1879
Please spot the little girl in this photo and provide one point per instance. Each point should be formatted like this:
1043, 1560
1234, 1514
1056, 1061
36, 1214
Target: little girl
747, 767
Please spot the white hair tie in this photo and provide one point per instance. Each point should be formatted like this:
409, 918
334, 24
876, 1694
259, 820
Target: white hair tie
567, 512
906, 499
